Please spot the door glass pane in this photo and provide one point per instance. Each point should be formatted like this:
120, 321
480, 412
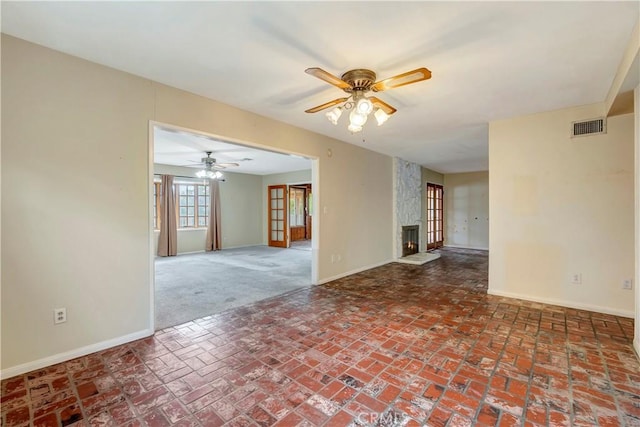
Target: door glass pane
281, 235
280, 204
274, 235
280, 193
274, 225
273, 193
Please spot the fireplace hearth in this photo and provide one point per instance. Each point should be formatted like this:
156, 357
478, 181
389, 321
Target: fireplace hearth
410, 237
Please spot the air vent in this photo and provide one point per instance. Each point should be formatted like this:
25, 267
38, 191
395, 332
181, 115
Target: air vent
588, 127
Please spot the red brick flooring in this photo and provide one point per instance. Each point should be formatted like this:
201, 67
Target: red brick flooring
397, 345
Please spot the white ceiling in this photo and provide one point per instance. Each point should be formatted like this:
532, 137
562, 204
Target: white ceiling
181, 148
490, 60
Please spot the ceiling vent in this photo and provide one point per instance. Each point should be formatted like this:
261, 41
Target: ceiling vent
588, 127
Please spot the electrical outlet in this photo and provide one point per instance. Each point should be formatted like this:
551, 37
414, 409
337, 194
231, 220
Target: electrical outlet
59, 315
576, 279
627, 284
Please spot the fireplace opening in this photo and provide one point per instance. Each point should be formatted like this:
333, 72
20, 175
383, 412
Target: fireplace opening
410, 235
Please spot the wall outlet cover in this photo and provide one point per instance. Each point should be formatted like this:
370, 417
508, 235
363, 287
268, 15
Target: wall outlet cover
59, 315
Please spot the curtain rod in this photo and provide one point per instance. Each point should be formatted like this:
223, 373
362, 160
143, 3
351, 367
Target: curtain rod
188, 177
177, 176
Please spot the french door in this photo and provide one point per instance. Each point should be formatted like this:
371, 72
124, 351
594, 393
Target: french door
277, 206
435, 223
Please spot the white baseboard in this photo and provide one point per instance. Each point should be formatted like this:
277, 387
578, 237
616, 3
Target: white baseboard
191, 252
466, 247
564, 303
72, 354
222, 249
349, 273
243, 246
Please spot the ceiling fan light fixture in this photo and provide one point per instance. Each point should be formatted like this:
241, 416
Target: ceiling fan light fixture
210, 174
357, 119
380, 116
364, 106
334, 115
354, 128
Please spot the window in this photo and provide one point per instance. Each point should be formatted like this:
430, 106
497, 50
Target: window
193, 205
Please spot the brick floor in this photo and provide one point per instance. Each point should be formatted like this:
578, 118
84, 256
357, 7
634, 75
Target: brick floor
396, 345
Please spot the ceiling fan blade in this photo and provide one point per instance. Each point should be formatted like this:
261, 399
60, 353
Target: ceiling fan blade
417, 75
226, 164
326, 105
327, 77
382, 105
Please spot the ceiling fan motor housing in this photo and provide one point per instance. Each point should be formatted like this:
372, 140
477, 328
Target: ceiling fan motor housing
359, 79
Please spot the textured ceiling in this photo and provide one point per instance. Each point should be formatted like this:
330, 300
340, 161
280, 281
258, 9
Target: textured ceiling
490, 60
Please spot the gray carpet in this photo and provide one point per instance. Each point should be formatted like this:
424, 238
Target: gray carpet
192, 286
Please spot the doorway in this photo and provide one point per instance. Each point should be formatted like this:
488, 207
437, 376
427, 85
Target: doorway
300, 212
290, 215
435, 222
196, 283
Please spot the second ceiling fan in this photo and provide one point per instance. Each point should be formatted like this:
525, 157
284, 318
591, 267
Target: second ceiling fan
357, 83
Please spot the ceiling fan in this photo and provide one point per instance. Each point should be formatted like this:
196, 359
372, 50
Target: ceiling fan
211, 163
212, 168
357, 83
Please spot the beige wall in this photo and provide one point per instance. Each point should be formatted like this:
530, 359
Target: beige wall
432, 176
296, 177
76, 231
561, 206
466, 210
240, 201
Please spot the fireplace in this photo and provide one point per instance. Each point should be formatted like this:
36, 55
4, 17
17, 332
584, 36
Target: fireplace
410, 236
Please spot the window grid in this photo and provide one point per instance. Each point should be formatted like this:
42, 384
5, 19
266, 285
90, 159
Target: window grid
192, 205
